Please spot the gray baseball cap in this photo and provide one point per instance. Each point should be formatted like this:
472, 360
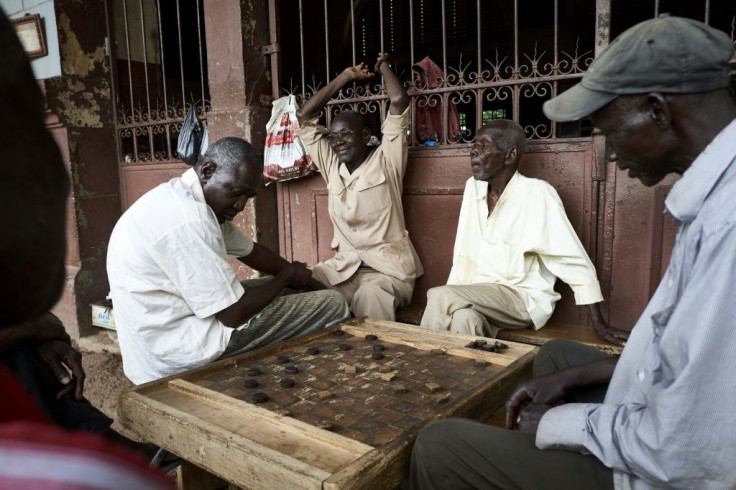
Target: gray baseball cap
668, 54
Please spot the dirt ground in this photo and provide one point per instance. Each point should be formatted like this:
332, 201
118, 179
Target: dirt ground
105, 378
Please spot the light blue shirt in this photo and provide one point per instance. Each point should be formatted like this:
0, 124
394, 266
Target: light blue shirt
668, 416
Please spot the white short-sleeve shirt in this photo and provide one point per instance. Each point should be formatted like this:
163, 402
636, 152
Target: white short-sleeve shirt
167, 263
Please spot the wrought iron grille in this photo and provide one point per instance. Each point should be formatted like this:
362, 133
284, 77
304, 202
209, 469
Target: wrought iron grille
160, 69
494, 58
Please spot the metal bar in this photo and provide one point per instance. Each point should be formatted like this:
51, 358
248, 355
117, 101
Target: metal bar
273, 34
181, 58
656, 8
707, 12
515, 98
380, 23
130, 77
444, 41
163, 79
327, 46
145, 72
411, 30
201, 59
556, 60
301, 48
352, 27
477, 27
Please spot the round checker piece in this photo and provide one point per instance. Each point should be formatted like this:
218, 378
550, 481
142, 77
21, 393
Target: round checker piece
250, 383
345, 347
260, 397
282, 359
287, 383
371, 337
377, 356
378, 348
313, 351
338, 333
254, 372
291, 369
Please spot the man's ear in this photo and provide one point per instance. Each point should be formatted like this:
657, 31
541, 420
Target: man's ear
205, 172
512, 155
659, 110
366, 135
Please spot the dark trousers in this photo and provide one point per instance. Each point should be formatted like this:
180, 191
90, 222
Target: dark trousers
460, 453
42, 386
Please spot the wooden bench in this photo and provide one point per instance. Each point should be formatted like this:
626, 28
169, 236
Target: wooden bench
584, 334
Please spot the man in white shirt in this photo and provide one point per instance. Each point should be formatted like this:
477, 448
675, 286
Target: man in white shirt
513, 241
178, 303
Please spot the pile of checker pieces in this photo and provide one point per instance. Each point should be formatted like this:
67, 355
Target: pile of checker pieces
362, 388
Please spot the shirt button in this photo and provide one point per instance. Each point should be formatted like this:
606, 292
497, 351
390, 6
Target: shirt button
354, 229
670, 282
641, 375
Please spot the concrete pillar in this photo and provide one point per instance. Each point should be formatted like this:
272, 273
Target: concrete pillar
81, 120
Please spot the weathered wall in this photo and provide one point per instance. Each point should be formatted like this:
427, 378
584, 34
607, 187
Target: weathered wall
240, 92
81, 120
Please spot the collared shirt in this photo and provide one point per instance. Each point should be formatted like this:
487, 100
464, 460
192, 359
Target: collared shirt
526, 243
365, 206
167, 263
667, 420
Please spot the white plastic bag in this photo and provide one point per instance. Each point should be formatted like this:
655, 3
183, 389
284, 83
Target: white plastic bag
285, 157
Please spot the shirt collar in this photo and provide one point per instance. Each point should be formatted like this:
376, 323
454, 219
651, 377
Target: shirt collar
481, 187
191, 180
690, 192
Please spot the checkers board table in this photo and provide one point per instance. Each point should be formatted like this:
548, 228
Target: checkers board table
348, 420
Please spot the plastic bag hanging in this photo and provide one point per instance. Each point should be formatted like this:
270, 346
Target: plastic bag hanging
190, 137
285, 156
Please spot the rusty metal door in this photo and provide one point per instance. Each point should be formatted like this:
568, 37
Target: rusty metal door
159, 69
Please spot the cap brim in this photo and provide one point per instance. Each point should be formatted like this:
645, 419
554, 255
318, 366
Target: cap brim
575, 103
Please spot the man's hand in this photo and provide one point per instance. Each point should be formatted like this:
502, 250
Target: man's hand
297, 275
529, 418
611, 334
604, 330
547, 390
61, 358
358, 72
382, 58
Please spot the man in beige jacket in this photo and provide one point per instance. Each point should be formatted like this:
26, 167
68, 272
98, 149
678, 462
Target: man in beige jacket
375, 263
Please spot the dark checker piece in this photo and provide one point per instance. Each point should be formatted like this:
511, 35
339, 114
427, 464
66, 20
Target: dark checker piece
260, 397
338, 333
345, 347
254, 372
378, 348
377, 356
250, 383
291, 369
371, 337
472, 345
313, 351
282, 359
480, 342
287, 383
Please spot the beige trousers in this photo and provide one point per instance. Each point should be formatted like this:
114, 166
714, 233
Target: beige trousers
372, 293
477, 309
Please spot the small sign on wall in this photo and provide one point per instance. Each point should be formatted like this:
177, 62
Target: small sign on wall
31, 35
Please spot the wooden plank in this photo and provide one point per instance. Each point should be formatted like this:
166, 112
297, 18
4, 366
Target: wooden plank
266, 416
221, 451
450, 342
576, 333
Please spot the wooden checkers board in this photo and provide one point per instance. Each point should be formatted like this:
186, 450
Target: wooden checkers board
336, 409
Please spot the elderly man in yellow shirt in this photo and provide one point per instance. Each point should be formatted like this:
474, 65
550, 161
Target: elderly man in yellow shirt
375, 263
513, 241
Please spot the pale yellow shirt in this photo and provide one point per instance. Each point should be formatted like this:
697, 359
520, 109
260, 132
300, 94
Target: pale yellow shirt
365, 206
526, 243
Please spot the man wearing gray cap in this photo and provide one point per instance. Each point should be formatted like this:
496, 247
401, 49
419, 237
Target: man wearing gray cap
661, 415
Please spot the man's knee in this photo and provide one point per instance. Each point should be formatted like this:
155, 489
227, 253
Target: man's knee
334, 301
467, 321
433, 440
552, 356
